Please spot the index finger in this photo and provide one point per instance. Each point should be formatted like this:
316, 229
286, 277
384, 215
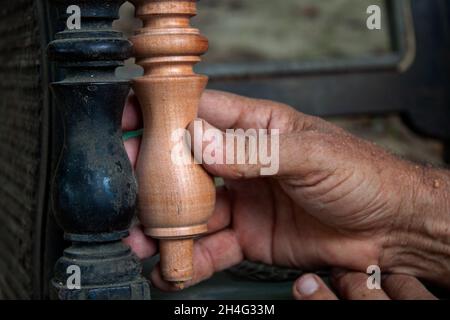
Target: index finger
132, 116
226, 111
404, 287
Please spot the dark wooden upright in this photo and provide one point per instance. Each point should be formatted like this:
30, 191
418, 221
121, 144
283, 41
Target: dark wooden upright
93, 190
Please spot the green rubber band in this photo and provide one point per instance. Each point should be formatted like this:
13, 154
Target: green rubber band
132, 134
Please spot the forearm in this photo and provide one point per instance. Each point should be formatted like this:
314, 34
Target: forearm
419, 243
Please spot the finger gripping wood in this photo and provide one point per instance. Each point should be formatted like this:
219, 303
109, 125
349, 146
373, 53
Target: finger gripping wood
175, 201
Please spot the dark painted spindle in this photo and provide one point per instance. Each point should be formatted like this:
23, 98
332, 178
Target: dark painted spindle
93, 190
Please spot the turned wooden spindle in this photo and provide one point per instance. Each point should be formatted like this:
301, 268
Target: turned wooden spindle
93, 189
175, 201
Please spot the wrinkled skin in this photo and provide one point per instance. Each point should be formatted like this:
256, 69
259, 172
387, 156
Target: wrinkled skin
353, 286
337, 200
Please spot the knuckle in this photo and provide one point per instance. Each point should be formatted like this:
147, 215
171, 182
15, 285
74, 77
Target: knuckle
207, 264
351, 284
399, 283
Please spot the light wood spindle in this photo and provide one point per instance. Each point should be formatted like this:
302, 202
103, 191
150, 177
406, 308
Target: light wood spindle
175, 201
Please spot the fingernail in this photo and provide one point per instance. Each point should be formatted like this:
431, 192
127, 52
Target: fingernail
307, 285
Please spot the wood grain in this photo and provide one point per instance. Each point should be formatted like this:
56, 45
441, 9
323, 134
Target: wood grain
175, 201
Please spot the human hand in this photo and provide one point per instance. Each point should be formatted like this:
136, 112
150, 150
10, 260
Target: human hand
336, 201
351, 285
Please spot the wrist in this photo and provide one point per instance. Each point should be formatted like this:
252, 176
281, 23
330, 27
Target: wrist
419, 239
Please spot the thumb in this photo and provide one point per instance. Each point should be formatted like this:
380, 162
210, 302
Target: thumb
311, 287
235, 154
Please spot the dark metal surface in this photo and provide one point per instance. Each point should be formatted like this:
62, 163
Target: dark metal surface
94, 189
